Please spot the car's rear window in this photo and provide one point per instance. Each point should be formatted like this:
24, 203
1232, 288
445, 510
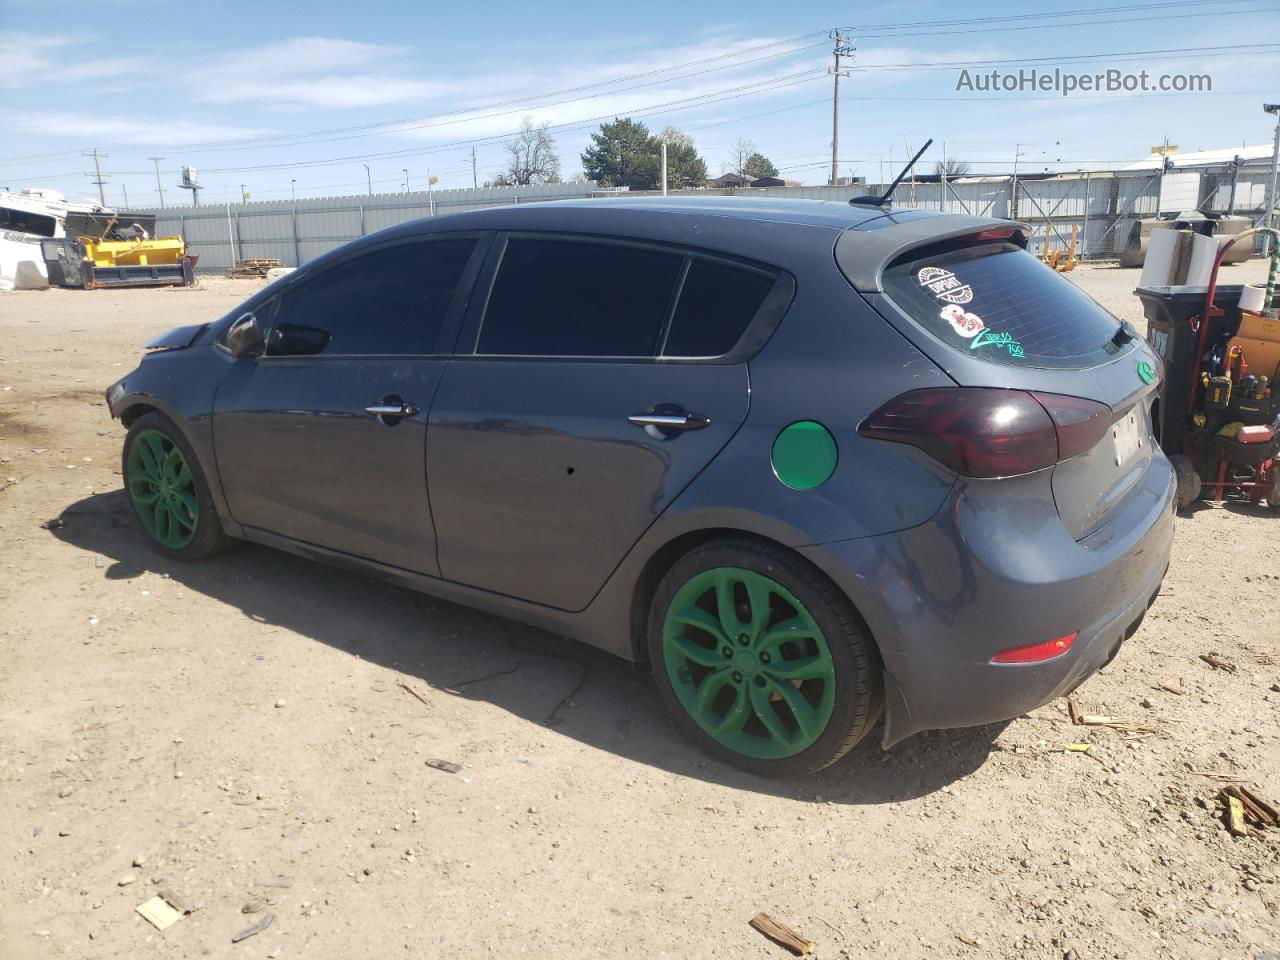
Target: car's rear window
997, 302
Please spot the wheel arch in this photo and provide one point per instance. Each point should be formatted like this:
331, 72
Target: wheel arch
197, 432
669, 553
140, 408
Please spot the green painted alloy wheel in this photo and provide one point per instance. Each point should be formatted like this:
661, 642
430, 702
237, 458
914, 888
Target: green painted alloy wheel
162, 488
749, 663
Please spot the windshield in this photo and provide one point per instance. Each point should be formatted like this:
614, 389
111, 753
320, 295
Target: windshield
997, 302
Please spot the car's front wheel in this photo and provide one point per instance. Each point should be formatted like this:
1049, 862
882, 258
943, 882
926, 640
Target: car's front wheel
761, 659
168, 491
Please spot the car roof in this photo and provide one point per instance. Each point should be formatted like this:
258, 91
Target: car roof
736, 214
793, 234
837, 214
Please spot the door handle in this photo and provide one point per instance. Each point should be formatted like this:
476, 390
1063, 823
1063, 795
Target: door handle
670, 421
392, 410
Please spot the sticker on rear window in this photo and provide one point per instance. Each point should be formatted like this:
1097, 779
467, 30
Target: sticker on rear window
944, 285
971, 327
966, 324
1000, 341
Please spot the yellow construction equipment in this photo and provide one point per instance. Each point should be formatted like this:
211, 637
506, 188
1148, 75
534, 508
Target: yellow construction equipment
141, 253
1060, 260
117, 250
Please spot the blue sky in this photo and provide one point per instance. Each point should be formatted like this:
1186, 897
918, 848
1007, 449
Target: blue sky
283, 97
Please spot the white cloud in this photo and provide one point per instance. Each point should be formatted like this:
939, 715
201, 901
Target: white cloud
135, 129
26, 54
311, 73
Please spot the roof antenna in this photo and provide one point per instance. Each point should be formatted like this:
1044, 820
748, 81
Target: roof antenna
887, 197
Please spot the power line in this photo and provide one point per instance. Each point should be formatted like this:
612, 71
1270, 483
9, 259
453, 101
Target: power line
468, 115
1005, 18
868, 30
1021, 21
759, 87
731, 93
528, 98
1172, 52
797, 106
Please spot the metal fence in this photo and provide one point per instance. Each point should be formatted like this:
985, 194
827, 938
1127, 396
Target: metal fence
1102, 207
297, 231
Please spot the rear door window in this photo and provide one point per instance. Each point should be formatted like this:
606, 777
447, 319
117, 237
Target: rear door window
391, 300
717, 302
997, 302
572, 298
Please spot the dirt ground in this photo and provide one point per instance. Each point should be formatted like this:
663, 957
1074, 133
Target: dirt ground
242, 733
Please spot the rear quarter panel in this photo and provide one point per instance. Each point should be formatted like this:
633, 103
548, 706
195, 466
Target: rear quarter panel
832, 360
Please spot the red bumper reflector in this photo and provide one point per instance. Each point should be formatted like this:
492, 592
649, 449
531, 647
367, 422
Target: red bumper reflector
1036, 652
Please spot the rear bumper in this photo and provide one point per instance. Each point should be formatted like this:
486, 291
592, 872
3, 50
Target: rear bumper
994, 569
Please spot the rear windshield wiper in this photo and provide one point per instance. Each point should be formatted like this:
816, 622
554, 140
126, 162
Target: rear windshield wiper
1125, 333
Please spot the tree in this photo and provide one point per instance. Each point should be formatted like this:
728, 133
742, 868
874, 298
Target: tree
531, 157
746, 161
952, 168
622, 154
739, 154
684, 167
757, 166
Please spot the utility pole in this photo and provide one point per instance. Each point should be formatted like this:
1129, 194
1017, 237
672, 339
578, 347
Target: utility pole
1272, 108
293, 192
405, 170
126, 195
942, 177
1165, 165
474, 181
97, 172
244, 197
1013, 194
843, 47
159, 189
664, 168
368, 178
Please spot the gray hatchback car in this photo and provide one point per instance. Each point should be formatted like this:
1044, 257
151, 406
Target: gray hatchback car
814, 462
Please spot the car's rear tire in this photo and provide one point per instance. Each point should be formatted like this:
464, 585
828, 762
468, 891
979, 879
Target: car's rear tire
168, 491
761, 659
1188, 480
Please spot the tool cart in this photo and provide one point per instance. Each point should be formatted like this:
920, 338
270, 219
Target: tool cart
1218, 415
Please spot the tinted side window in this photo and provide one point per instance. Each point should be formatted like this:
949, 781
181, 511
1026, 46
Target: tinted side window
388, 301
716, 304
566, 298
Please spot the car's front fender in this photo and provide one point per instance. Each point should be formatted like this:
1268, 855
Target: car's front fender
180, 384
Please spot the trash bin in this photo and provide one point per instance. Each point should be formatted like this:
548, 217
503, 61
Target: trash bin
1169, 311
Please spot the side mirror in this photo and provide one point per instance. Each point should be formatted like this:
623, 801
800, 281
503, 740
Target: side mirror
245, 338
298, 340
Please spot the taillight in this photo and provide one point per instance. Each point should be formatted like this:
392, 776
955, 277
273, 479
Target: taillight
986, 432
1080, 423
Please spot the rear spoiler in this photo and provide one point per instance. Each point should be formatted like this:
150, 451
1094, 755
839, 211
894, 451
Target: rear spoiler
863, 252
